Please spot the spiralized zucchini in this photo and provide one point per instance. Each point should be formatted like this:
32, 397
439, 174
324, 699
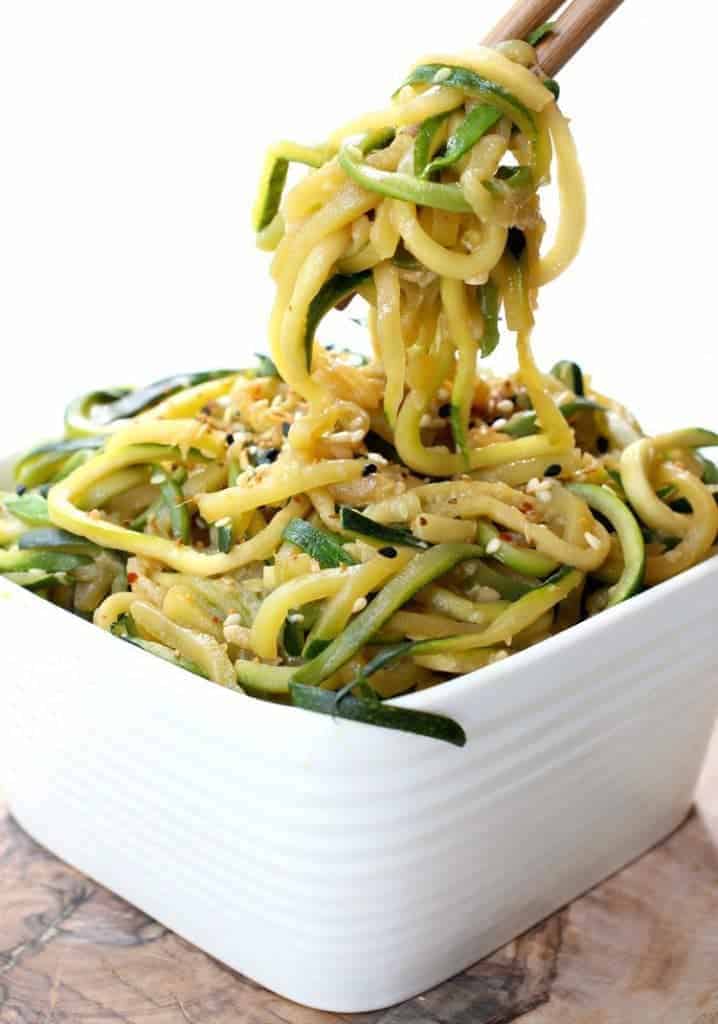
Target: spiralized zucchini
333, 529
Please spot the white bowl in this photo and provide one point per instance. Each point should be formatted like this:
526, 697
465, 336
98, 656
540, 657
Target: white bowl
345, 866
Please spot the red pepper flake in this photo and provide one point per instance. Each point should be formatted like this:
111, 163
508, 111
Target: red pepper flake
506, 536
132, 577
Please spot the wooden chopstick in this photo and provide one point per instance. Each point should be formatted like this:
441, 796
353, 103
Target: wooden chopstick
574, 26
521, 18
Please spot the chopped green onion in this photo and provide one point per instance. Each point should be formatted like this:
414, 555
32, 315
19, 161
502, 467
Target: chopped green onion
401, 186
31, 508
476, 123
535, 37
52, 539
424, 141
317, 543
489, 303
338, 287
387, 716
355, 523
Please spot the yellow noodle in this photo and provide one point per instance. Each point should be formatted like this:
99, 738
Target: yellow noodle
199, 648
270, 485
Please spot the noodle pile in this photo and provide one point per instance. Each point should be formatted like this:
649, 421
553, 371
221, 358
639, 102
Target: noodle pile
333, 529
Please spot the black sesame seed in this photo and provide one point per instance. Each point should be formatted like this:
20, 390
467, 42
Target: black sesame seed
553, 470
388, 552
229, 438
271, 454
285, 429
602, 444
20, 490
368, 469
444, 410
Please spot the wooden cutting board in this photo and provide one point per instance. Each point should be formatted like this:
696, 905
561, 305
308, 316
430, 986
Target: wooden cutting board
642, 948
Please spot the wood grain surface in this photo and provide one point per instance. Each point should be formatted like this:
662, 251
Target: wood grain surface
642, 948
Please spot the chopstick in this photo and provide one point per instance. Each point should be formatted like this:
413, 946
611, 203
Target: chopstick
575, 25
521, 18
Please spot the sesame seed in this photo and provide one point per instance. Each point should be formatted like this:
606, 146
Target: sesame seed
388, 552
499, 423
553, 470
484, 594
20, 490
229, 438
533, 485
425, 420
295, 617
505, 406
359, 605
444, 410
592, 540
377, 459
369, 469
493, 546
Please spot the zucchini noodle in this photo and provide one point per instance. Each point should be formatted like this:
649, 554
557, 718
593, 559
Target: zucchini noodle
294, 529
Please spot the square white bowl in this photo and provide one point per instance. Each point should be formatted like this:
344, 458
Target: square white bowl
343, 866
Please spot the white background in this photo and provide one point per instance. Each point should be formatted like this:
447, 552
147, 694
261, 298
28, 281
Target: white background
132, 134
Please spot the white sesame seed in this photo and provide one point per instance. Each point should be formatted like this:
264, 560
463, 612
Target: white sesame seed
499, 423
441, 75
505, 406
592, 540
425, 420
533, 485
359, 605
484, 594
295, 617
499, 656
233, 620
493, 546
377, 459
